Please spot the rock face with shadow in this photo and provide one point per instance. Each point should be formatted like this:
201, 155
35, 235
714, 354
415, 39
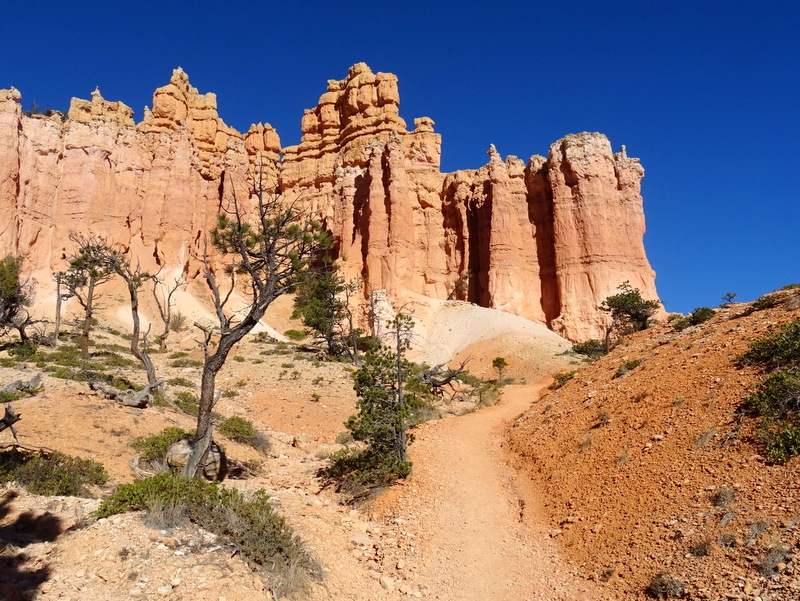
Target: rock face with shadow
547, 239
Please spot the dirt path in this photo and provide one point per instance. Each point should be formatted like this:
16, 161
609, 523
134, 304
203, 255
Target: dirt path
477, 536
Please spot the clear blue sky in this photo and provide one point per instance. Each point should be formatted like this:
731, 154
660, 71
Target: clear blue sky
706, 93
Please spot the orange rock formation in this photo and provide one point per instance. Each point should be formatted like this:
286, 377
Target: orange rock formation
547, 240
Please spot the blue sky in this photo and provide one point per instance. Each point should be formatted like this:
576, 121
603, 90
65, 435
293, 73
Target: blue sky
706, 93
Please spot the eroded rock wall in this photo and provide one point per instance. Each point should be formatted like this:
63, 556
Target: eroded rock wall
548, 239
155, 187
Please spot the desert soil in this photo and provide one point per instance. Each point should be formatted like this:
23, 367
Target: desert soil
614, 483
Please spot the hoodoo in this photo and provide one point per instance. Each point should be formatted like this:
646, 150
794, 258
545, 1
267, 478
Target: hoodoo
548, 239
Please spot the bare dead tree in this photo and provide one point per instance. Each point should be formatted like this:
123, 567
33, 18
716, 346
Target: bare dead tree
162, 293
134, 278
267, 248
437, 377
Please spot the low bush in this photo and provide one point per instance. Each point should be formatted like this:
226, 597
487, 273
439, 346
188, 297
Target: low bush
355, 468
696, 317
776, 399
23, 351
664, 586
186, 363
295, 334
768, 301
251, 526
778, 348
775, 556
155, 447
237, 428
52, 473
242, 430
180, 382
594, 349
561, 379
626, 367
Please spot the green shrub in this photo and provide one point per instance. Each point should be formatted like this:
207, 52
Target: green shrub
237, 428
9, 397
626, 367
191, 492
229, 394
781, 440
186, 363
112, 359
561, 379
777, 396
188, 403
358, 467
790, 287
22, 350
155, 447
780, 347
178, 355
242, 430
594, 349
696, 317
51, 474
295, 334
768, 301
238, 358
250, 526
180, 382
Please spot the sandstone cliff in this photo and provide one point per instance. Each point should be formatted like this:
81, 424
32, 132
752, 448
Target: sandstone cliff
547, 239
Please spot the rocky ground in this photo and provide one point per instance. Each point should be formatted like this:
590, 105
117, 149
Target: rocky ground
576, 522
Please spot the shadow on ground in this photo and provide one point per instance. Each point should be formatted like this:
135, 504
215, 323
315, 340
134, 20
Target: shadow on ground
20, 575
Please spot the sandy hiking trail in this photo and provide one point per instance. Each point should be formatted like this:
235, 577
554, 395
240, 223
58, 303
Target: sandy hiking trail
479, 537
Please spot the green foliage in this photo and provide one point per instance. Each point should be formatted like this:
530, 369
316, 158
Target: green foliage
188, 403
15, 295
155, 447
626, 367
51, 474
629, 311
136, 496
237, 428
561, 379
790, 287
24, 351
238, 358
777, 396
180, 382
768, 301
776, 399
780, 347
322, 302
186, 363
9, 397
384, 413
242, 430
594, 349
251, 526
694, 318
500, 364
294, 334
